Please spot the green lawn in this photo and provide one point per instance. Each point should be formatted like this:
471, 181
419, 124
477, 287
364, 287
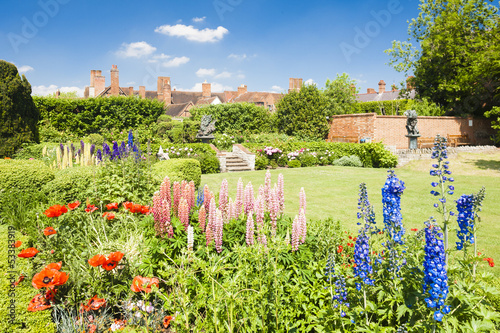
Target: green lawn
333, 192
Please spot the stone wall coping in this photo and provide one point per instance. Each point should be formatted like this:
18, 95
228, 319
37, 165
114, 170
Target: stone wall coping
244, 149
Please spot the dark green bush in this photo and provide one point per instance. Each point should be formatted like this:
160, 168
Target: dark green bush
274, 164
208, 163
261, 162
352, 161
294, 164
308, 160
32, 150
163, 128
179, 169
95, 139
25, 322
24, 175
164, 119
71, 184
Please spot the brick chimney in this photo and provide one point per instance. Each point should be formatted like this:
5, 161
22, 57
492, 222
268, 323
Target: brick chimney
370, 91
58, 93
115, 85
206, 89
409, 83
93, 74
242, 89
131, 91
381, 87
160, 82
142, 92
99, 85
167, 92
295, 84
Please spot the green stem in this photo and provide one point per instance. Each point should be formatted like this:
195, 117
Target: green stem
364, 304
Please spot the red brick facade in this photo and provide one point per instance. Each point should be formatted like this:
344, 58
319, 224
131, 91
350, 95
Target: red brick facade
391, 130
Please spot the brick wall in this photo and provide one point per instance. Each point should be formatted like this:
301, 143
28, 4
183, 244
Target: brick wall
392, 129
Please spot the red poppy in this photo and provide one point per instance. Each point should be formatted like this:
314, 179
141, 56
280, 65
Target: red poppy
38, 303
28, 253
6, 158
145, 210
111, 206
340, 248
56, 210
57, 266
112, 260
128, 205
91, 208
143, 284
19, 280
414, 229
50, 294
17, 243
92, 328
49, 278
49, 231
94, 304
490, 261
166, 321
108, 215
135, 208
73, 205
97, 260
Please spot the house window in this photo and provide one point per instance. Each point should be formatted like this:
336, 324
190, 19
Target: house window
270, 107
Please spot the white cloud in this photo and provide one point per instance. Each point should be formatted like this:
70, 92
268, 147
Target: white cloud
131, 83
202, 72
199, 19
309, 82
216, 87
191, 33
176, 62
223, 75
240, 76
25, 69
48, 90
237, 56
135, 50
277, 89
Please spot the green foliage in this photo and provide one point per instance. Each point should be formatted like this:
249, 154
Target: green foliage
32, 150
294, 164
352, 161
236, 117
164, 119
176, 150
25, 321
95, 139
456, 61
18, 115
71, 184
208, 163
179, 169
225, 141
93, 115
261, 162
341, 94
495, 123
163, 128
304, 113
49, 134
308, 160
395, 107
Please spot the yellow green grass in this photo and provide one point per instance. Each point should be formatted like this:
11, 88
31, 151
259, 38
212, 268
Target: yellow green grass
333, 192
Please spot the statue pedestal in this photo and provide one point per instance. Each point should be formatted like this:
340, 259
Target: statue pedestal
206, 138
412, 141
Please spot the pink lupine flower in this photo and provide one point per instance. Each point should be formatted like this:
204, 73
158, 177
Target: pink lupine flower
259, 211
239, 191
191, 195
184, 213
206, 194
202, 217
263, 239
209, 235
176, 196
267, 189
219, 225
295, 234
223, 200
161, 215
262, 194
303, 226
281, 193
231, 210
302, 199
212, 213
238, 207
190, 238
250, 229
273, 209
249, 199
165, 190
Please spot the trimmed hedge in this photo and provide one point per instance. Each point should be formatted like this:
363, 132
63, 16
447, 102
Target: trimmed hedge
24, 175
208, 163
179, 169
24, 322
70, 184
390, 107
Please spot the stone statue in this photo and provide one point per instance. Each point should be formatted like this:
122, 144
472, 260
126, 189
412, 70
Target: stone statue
162, 155
207, 126
411, 123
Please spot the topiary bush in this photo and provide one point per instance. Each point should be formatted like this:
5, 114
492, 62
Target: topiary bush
294, 164
308, 160
71, 184
179, 169
20, 296
352, 161
163, 128
208, 163
163, 119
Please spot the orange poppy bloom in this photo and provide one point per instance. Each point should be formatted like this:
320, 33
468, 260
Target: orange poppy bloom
6, 158
108, 215
111, 206
73, 205
49, 231
91, 208
145, 210
56, 211
128, 205
28, 253
97, 260
57, 266
94, 304
92, 328
17, 243
113, 260
143, 284
38, 303
50, 294
49, 278
166, 321
135, 208
19, 280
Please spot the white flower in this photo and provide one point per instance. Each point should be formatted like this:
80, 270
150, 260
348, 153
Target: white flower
138, 314
150, 308
130, 306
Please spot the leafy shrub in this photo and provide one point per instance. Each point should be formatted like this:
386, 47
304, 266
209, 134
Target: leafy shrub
352, 161
179, 169
308, 160
164, 119
261, 162
32, 150
163, 128
273, 164
71, 184
183, 150
226, 141
208, 163
95, 139
49, 134
25, 321
294, 164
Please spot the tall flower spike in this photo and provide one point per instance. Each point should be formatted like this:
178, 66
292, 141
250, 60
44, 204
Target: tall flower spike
184, 213
223, 200
206, 194
465, 219
295, 234
250, 230
249, 199
366, 210
267, 189
165, 190
202, 216
231, 210
302, 199
362, 260
391, 199
212, 214
191, 195
177, 196
190, 238
239, 191
259, 211
303, 226
281, 193
201, 197
273, 209
219, 225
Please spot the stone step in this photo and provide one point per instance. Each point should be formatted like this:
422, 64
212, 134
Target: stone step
238, 169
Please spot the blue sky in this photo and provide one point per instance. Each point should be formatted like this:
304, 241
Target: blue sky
260, 43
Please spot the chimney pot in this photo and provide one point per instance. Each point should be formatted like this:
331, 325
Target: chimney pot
206, 89
381, 87
115, 85
242, 89
142, 92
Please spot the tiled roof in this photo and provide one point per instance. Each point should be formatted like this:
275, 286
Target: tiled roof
390, 95
176, 110
205, 101
255, 97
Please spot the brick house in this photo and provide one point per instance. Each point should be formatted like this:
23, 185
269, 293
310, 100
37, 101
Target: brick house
385, 95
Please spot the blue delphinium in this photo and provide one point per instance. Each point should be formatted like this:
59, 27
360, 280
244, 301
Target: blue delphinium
116, 151
366, 210
362, 260
82, 145
92, 149
435, 276
123, 149
201, 196
465, 219
106, 150
99, 155
130, 139
339, 295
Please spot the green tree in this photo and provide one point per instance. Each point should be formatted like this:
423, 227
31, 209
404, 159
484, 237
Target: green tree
304, 113
18, 114
341, 94
456, 56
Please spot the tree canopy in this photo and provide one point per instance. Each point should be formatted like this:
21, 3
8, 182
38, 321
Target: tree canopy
341, 94
456, 56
